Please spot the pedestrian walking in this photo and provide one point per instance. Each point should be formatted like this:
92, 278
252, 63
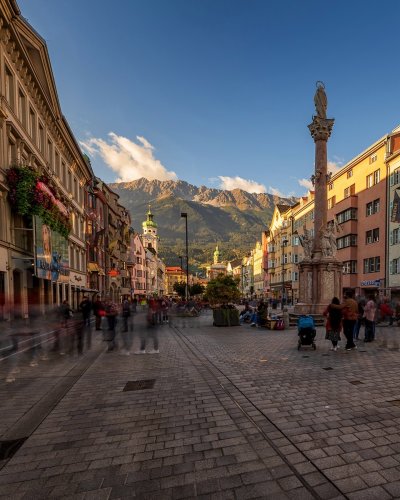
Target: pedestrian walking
127, 326
360, 319
150, 331
334, 315
86, 308
350, 316
369, 316
111, 310
98, 311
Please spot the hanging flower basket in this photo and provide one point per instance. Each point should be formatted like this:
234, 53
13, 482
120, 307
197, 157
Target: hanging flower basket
29, 194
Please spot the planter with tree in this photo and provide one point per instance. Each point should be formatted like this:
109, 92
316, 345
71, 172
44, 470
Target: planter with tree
221, 292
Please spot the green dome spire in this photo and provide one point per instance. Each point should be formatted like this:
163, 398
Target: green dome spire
149, 222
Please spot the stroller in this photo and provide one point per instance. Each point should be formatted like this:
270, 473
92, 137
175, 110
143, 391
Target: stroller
306, 332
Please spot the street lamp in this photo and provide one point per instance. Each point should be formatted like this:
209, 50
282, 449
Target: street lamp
185, 216
284, 244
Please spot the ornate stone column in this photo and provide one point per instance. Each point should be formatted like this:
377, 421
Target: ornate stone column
320, 130
320, 277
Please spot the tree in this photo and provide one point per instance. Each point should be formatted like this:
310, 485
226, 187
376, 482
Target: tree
196, 289
222, 289
180, 288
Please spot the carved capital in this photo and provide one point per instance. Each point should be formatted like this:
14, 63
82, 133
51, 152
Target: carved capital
321, 128
3, 116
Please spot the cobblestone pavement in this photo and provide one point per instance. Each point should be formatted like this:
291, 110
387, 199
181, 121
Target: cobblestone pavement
234, 413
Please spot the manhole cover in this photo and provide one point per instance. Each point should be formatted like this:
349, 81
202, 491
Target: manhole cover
139, 385
355, 382
328, 368
9, 448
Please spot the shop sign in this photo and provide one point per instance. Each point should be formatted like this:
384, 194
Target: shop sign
375, 283
51, 253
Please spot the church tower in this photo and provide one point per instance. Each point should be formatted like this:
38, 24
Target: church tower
150, 238
217, 255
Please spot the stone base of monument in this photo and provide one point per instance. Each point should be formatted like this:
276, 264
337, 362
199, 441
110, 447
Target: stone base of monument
319, 281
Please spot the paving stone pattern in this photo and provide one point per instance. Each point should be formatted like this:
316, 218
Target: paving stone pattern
235, 413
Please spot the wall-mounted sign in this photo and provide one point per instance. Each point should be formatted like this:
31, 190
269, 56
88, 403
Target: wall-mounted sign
371, 283
51, 253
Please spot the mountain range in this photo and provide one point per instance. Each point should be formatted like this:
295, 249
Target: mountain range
232, 219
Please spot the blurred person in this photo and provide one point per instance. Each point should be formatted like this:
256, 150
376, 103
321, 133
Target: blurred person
333, 326
151, 330
111, 311
86, 308
360, 318
98, 311
76, 329
127, 326
370, 317
246, 313
350, 316
386, 312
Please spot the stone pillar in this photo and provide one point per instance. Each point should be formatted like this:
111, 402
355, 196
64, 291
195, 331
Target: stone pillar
320, 130
320, 277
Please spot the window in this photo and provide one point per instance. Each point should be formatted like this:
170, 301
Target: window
41, 138
295, 258
350, 240
350, 173
373, 158
330, 186
295, 240
332, 202
394, 177
349, 191
394, 237
32, 125
373, 178
50, 153
394, 266
349, 214
9, 88
21, 107
372, 236
295, 276
350, 267
373, 207
372, 265
57, 163
63, 175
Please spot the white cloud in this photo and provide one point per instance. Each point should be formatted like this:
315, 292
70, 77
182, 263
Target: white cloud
334, 166
276, 192
130, 160
250, 186
306, 183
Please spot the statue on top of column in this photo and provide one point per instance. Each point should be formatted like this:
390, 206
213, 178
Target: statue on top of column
320, 100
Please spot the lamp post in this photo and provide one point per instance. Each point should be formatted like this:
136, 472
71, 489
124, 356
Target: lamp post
185, 216
284, 243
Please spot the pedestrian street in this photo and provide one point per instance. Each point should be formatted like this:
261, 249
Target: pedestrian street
219, 413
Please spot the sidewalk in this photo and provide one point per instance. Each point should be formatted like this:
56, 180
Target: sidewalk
234, 413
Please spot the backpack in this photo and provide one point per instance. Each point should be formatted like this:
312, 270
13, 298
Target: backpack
305, 322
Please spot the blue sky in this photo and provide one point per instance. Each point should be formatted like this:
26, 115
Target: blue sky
209, 91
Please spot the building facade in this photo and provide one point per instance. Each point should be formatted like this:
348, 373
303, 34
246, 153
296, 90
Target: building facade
42, 235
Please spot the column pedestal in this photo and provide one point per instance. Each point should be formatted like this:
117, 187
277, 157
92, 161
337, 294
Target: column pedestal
319, 281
